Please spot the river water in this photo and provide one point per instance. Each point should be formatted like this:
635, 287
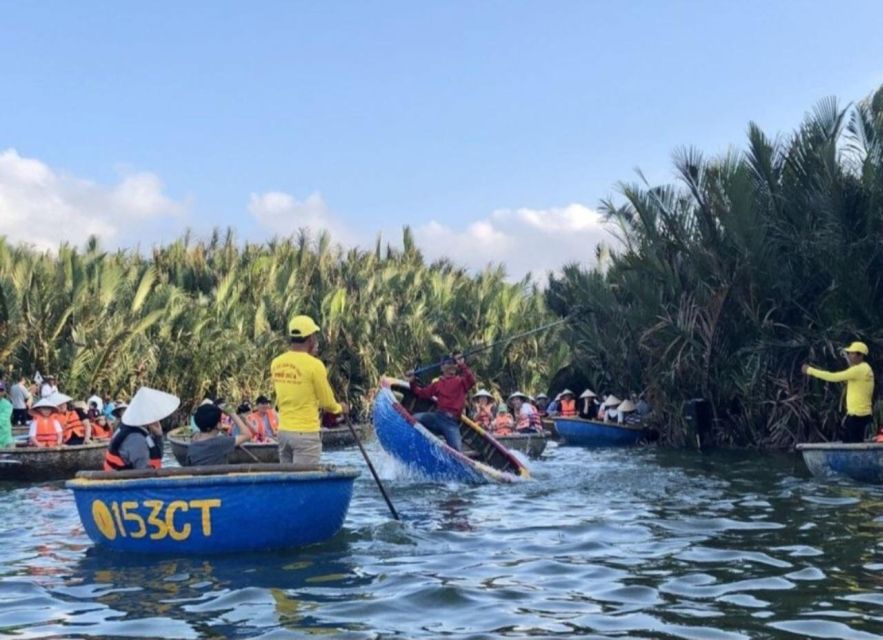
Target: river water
610, 543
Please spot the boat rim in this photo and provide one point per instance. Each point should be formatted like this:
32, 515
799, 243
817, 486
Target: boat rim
845, 446
615, 425
70, 448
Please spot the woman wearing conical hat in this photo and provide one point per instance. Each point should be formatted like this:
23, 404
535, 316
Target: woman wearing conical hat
588, 405
527, 418
137, 444
608, 410
483, 408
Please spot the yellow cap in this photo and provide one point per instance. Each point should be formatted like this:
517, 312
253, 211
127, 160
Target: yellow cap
302, 327
857, 347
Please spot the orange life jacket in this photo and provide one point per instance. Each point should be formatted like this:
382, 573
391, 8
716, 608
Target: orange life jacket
46, 435
255, 420
531, 422
484, 417
100, 432
503, 424
72, 425
567, 408
112, 459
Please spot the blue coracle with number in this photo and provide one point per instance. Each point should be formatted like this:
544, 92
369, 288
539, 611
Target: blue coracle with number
226, 513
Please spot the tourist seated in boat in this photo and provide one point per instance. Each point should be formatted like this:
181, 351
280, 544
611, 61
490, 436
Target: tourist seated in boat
542, 404
609, 409
503, 422
626, 413
75, 430
588, 405
44, 429
859, 379
449, 393
527, 418
567, 404
101, 428
212, 446
79, 407
6, 439
642, 406
138, 442
554, 406
268, 419
483, 408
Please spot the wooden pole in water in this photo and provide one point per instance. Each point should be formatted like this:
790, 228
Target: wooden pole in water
380, 486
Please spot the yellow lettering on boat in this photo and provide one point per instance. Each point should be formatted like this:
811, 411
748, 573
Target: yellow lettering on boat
103, 520
115, 508
184, 533
129, 516
206, 506
162, 530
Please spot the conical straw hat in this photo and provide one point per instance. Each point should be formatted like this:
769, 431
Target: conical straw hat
518, 394
483, 393
43, 402
149, 406
612, 401
565, 392
588, 393
58, 398
627, 405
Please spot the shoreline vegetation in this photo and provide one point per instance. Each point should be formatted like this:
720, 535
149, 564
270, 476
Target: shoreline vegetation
721, 286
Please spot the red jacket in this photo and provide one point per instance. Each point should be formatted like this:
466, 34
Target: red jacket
449, 393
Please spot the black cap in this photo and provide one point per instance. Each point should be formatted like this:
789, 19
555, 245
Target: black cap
207, 417
243, 408
263, 400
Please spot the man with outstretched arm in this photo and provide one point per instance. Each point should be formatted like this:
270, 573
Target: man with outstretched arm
449, 392
859, 379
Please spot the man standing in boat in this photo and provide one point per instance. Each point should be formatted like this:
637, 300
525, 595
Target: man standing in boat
302, 390
859, 379
449, 393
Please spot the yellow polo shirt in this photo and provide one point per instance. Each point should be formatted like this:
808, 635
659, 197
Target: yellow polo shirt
302, 389
859, 381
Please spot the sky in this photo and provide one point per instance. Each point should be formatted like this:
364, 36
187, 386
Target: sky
493, 129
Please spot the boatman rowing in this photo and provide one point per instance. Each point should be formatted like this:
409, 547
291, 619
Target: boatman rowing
449, 393
302, 390
859, 379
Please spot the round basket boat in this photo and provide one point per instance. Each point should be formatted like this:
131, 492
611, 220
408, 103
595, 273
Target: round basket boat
264, 452
859, 461
213, 509
530, 444
37, 464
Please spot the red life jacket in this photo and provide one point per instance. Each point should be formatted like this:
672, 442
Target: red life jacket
72, 425
100, 432
567, 408
46, 435
532, 422
255, 419
112, 459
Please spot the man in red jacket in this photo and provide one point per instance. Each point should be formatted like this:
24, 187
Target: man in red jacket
450, 393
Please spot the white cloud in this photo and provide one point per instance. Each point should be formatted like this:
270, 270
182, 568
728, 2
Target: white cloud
284, 215
524, 240
43, 207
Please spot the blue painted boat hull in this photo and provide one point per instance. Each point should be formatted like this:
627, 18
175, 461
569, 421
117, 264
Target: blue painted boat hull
231, 512
588, 433
861, 461
413, 445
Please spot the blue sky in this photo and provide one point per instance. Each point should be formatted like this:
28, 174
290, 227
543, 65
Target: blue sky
467, 120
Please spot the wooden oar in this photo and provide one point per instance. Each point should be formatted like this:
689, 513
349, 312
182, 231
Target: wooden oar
380, 486
249, 453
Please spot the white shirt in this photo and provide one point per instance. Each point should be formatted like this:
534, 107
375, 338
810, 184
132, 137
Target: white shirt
98, 402
47, 390
19, 395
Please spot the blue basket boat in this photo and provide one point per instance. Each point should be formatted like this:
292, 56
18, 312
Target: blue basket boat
859, 461
588, 433
213, 509
483, 459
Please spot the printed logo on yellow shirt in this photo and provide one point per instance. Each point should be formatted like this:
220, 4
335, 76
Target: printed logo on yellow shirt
286, 372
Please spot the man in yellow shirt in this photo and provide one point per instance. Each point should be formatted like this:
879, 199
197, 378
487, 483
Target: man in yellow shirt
859, 379
302, 390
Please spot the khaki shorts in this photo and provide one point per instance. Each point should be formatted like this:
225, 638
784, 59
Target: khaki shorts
297, 447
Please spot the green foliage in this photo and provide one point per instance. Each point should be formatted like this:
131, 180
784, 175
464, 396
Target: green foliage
728, 281
201, 317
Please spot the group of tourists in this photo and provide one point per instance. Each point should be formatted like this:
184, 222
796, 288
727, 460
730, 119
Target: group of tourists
53, 418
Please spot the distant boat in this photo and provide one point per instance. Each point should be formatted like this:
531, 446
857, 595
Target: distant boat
590, 433
39, 464
860, 461
213, 509
483, 460
531, 444
332, 438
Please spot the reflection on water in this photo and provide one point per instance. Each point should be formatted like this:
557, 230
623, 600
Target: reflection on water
642, 543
